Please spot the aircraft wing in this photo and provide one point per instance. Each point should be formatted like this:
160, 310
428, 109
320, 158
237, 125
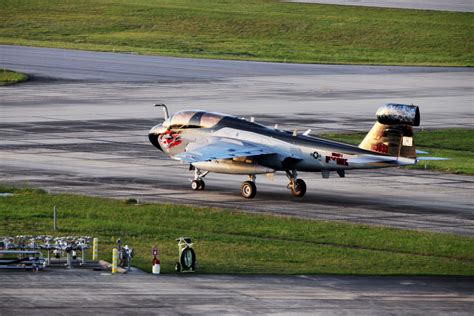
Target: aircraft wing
223, 148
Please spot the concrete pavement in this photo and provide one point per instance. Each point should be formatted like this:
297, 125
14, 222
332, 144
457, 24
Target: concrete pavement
85, 292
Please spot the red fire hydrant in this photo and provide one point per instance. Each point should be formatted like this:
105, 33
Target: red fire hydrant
156, 261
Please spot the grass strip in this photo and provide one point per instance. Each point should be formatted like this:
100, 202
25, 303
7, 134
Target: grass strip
8, 77
267, 30
455, 144
232, 242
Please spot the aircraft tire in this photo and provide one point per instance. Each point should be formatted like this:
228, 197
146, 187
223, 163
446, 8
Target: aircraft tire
299, 189
202, 185
195, 185
248, 189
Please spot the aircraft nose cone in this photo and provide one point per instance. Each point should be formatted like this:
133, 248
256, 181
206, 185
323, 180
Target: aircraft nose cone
154, 140
154, 133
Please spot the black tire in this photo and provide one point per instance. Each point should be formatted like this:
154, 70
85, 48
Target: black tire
188, 259
177, 267
195, 185
299, 189
202, 185
248, 189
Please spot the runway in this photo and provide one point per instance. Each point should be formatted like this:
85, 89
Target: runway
92, 293
438, 5
81, 126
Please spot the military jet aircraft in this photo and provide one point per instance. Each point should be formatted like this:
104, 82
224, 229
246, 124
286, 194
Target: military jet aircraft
221, 143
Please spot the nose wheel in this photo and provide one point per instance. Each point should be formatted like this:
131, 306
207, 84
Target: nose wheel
198, 183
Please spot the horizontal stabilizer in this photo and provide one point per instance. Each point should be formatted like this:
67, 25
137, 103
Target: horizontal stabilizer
373, 159
421, 152
380, 161
431, 159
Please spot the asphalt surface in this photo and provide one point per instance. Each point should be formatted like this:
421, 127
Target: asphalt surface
439, 5
84, 292
73, 65
81, 126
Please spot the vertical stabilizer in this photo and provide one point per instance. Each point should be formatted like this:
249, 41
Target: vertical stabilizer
392, 134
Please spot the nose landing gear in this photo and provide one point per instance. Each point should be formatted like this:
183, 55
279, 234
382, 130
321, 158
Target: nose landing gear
198, 185
297, 186
198, 182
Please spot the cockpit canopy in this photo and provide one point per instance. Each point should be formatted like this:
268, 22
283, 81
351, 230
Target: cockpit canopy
193, 119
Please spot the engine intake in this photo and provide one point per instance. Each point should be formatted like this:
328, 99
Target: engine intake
398, 114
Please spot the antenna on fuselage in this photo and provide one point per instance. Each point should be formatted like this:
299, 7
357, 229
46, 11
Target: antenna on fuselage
165, 109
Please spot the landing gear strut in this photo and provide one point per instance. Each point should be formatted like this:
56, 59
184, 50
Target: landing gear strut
248, 189
297, 186
198, 182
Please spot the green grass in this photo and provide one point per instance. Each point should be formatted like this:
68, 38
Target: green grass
233, 242
238, 29
455, 144
8, 77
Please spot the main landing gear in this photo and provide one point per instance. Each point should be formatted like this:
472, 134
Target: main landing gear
198, 182
297, 186
248, 189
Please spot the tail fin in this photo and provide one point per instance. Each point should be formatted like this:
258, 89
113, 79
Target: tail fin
392, 134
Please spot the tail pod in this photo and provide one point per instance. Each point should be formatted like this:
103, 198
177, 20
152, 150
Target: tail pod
392, 134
